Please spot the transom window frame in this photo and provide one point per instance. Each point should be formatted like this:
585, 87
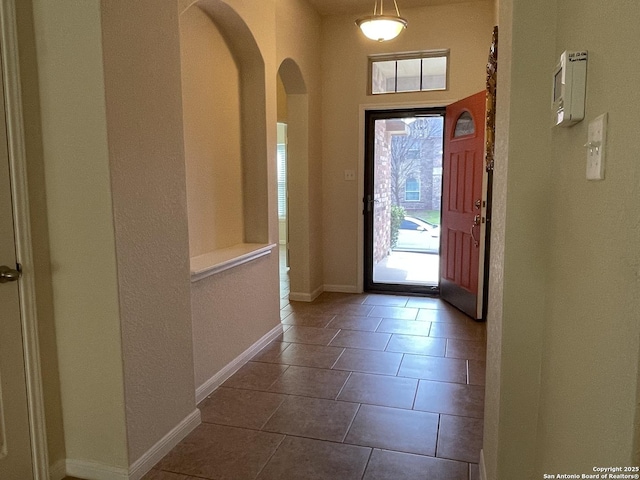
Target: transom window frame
417, 55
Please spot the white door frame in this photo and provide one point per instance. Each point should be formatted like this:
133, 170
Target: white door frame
24, 254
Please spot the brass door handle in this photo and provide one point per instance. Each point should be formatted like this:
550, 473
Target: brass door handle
8, 274
476, 222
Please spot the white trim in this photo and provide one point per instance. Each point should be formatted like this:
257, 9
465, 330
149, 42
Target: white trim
100, 471
207, 388
146, 462
218, 261
482, 467
343, 288
58, 471
24, 255
95, 470
306, 297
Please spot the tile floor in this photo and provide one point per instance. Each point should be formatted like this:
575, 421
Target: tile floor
356, 387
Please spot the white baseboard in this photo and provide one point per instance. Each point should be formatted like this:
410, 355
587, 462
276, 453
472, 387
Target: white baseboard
58, 470
146, 462
482, 467
342, 288
99, 471
95, 470
306, 297
218, 379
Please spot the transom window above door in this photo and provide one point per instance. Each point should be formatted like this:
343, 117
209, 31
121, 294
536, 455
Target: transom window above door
408, 72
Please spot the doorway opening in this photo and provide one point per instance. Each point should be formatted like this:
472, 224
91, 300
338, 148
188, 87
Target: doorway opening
403, 197
283, 217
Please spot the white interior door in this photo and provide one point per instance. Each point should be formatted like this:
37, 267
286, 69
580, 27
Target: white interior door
15, 444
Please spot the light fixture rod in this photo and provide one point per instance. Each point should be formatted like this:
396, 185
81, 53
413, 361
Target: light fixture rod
375, 7
396, 5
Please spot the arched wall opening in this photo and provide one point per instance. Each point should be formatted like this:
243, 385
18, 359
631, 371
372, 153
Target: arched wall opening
223, 89
293, 110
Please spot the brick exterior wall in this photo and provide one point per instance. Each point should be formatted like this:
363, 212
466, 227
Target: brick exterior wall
382, 193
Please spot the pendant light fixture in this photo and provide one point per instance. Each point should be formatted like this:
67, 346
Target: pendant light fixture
382, 27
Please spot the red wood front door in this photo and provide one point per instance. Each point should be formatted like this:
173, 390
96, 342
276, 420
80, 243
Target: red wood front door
462, 197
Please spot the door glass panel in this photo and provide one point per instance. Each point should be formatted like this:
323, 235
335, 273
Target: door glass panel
405, 200
464, 125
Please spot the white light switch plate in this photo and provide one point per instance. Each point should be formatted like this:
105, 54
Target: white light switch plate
349, 175
596, 147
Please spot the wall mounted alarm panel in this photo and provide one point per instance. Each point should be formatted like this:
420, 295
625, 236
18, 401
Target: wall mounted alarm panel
569, 82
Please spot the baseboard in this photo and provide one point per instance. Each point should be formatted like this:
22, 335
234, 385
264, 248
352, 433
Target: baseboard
95, 470
99, 471
218, 379
342, 288
58, 470
146, 462
482, 467
306, 297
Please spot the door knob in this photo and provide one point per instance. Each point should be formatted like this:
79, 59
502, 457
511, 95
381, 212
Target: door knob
8, 274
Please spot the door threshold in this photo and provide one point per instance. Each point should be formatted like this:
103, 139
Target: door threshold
405, 290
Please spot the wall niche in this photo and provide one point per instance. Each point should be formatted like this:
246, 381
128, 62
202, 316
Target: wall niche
223, 95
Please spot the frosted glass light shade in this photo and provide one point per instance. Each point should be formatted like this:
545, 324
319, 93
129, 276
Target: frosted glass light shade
381, 27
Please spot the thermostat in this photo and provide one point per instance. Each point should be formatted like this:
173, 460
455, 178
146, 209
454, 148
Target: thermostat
569, 88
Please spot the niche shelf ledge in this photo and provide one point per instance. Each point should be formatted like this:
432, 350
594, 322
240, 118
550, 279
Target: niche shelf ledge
218, 261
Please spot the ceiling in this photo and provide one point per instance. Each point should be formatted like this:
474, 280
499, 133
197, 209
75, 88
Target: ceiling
342, 7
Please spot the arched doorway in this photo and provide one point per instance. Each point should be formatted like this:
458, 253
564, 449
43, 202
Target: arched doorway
293, 111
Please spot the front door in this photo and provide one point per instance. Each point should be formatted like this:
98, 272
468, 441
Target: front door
403, 181
15, 446
462, 204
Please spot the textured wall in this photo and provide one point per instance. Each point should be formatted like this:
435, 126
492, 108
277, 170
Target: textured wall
225, 324
563, 330
298, 42
520, 247
463, 28
212, 136
81, 229
146, 153
590, 368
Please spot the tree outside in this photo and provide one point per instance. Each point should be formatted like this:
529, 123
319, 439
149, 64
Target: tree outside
416, 167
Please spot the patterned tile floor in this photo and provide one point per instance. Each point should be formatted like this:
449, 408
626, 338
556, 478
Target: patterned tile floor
357, 387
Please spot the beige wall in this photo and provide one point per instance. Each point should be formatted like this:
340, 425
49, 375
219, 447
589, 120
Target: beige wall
213, 157
224, 323
592, 334
563, 318
81, 229
298, 57
39, 229
563, 325
146, 158
282, 102
520, 247
117, 205
465, 29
